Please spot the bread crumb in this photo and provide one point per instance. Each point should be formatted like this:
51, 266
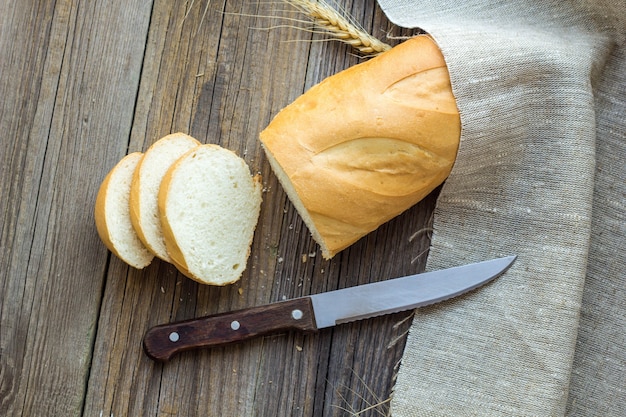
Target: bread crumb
240, 291
304, 258
299, 348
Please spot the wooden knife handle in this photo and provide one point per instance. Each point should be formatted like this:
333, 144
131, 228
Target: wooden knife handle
162, 342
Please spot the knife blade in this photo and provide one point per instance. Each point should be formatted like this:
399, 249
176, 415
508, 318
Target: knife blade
314, 312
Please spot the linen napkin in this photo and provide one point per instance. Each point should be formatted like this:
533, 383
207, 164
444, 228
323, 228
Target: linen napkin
541, 173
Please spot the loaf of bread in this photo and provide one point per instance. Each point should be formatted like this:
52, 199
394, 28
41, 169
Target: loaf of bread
145, 188
209, 206
366, 144
112, 214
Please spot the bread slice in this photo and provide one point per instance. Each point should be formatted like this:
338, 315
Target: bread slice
209, 206
112, 214
366, 144
145, 189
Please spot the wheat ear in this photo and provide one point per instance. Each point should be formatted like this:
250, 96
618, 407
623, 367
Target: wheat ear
339, 27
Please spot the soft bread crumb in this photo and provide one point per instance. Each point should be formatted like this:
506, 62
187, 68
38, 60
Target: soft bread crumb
209, 206
145, 188
112, 214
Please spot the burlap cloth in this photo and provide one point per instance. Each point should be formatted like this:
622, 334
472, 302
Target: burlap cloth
541, 173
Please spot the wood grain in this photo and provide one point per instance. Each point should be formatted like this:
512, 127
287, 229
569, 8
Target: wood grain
84, 83
58, 102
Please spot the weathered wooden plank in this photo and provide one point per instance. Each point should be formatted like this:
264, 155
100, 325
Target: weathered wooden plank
21, 66
68, 81
218, 78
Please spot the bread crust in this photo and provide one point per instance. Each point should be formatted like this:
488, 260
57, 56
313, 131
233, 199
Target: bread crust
366, 144
134, 254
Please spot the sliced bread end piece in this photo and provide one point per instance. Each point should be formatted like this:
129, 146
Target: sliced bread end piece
331, 239
145, 188
112, 214
209, 206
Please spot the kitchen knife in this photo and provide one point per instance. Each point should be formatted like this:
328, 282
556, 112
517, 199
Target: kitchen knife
317, 311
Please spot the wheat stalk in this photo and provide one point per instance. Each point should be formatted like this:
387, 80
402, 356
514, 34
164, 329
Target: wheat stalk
339, 27
375, 404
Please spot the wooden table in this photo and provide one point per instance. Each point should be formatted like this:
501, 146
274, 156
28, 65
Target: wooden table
83, 83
